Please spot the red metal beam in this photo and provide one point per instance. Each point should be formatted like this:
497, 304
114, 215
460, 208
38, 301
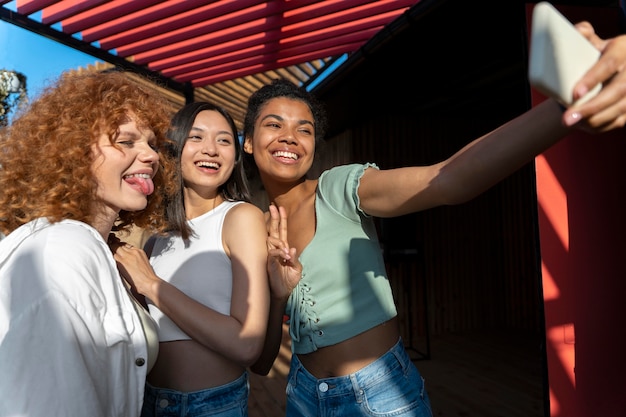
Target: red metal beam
178, 23
214, 39
276, 16
203, 41
172, 67
106, 12
151, 21
27, 7
343, 43
66, 9
223, 74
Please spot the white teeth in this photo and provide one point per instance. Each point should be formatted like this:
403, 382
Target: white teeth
146, 176
205, 164
284, 154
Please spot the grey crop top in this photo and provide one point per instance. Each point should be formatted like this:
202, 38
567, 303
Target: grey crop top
344, 289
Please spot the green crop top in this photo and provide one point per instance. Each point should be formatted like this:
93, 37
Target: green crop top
344, 289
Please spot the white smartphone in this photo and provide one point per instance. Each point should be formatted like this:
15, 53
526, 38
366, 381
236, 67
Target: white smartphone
559, 55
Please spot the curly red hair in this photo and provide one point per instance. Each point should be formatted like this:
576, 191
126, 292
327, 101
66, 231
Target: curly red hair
46, 156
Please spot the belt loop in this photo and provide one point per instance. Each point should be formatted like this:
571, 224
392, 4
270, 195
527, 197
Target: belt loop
297, 369
398, 351
358, 392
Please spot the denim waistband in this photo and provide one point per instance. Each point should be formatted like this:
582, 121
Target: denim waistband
174, 396
371, 374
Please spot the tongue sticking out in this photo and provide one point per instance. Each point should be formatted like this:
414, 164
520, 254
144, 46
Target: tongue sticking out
144, 184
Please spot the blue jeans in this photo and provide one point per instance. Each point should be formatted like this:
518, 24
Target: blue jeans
228, 400
389, 386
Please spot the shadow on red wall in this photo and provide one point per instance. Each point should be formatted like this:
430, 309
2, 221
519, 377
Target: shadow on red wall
580, 186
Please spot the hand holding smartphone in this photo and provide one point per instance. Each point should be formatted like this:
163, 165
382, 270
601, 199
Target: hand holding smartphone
559, 55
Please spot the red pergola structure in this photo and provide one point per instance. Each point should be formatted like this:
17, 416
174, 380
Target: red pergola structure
213, 50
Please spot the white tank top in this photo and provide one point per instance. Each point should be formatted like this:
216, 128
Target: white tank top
198, 267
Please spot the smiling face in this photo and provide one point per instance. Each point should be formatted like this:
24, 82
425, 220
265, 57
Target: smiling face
124, 169
208, 155
284, 140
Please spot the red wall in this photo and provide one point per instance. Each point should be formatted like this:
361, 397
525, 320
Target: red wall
582, 217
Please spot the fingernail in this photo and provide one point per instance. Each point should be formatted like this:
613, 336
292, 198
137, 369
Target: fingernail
572, 118
581, 90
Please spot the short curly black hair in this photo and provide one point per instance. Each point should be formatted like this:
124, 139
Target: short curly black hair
282, 88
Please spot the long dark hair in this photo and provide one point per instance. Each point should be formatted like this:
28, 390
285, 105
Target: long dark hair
234, 189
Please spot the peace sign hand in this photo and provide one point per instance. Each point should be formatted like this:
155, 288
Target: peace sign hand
283, 266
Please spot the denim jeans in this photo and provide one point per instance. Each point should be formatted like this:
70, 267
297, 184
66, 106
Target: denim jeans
228, 400
389, 386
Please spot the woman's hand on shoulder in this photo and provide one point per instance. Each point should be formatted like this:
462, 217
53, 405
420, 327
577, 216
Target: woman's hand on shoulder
133, 265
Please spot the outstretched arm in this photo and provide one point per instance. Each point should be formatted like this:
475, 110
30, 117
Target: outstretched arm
494, 156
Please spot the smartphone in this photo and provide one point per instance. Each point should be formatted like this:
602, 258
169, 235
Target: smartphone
559, 55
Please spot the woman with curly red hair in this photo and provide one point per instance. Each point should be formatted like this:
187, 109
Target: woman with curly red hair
84, 159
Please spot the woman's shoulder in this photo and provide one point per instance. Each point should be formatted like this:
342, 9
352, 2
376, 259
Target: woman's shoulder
244, 219
69, 239
64, 232
243, 209
62, 250
342, 178
346, 170
74, 234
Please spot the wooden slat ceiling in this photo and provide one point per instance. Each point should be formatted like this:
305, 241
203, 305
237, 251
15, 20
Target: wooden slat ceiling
212, 50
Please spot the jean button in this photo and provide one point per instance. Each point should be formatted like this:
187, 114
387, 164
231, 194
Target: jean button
163, 403
323, 387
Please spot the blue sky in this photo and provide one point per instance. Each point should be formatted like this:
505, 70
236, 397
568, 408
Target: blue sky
37, 57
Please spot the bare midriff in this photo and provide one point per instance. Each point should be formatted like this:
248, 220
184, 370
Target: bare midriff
353, 354
185, 365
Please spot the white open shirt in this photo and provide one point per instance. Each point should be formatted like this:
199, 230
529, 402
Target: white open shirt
71, 343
